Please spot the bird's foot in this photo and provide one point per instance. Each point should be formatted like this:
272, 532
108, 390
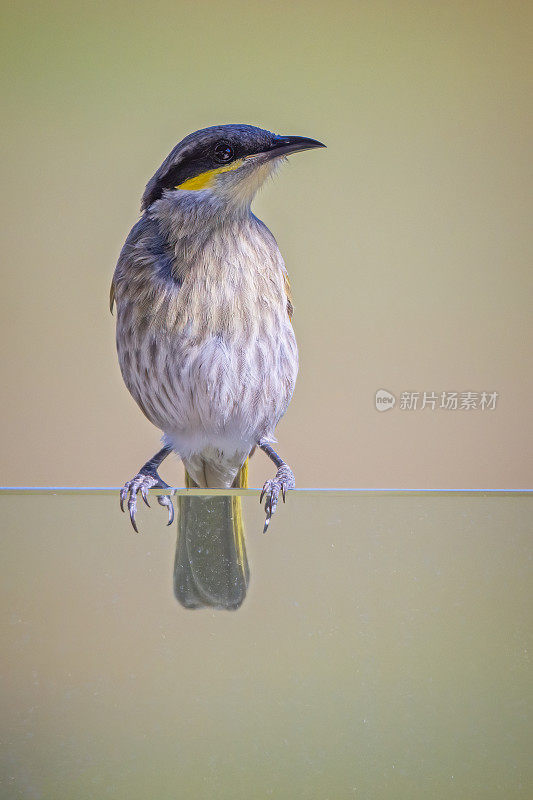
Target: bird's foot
146, 479
283, 481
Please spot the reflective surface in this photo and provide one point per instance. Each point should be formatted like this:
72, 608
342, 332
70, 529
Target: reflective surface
381, 651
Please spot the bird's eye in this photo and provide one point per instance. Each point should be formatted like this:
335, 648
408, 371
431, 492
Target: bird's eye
223, 152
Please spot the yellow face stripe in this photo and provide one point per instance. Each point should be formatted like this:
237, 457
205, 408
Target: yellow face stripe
206, 179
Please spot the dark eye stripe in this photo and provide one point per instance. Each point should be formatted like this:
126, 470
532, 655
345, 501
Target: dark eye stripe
206, 156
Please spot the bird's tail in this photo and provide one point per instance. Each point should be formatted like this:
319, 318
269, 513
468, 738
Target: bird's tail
211, 568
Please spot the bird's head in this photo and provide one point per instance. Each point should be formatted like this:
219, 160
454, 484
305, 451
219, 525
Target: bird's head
229, 162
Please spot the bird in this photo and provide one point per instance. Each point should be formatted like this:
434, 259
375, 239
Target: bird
204, 311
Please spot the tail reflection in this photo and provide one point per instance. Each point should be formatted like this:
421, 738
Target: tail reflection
211, 568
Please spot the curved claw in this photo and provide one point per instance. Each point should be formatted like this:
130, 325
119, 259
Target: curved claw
123, 493
283, 481
165, 500
170, 513
140, 484
132, 508
273, 504
262, 495
144, 496
271, 489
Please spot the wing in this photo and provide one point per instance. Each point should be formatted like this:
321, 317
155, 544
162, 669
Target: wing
144, 262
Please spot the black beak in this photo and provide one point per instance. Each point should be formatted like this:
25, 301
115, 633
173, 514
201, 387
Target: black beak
284, 145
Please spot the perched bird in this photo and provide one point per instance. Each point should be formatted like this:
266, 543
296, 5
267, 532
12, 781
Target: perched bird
204, 335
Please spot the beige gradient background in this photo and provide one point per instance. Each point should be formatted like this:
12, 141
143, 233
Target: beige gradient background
408, 241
